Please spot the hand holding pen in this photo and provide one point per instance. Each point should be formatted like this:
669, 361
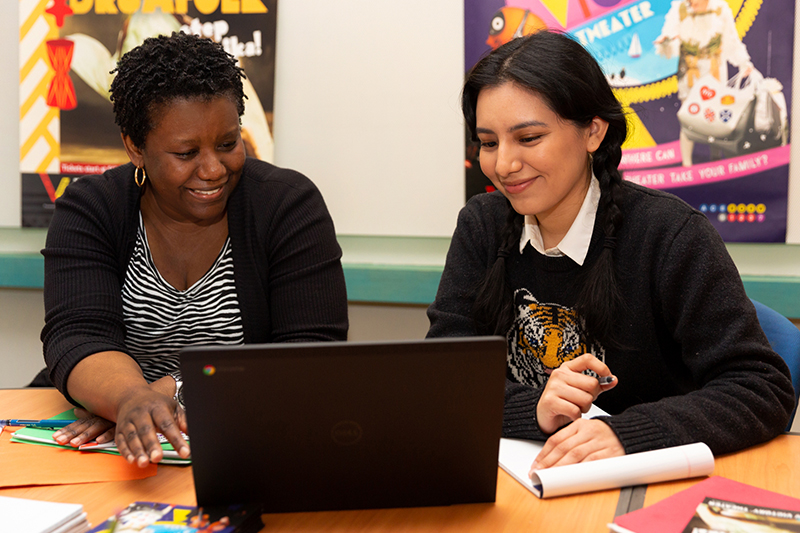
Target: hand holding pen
569, 392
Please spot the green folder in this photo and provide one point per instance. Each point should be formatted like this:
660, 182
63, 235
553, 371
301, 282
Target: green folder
44, 437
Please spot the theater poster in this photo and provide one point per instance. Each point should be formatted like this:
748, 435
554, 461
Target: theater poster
67, 50
706, 83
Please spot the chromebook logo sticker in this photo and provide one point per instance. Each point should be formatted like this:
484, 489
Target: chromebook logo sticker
209, 370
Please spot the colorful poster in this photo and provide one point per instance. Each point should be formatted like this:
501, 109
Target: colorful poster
707, 86
68, 49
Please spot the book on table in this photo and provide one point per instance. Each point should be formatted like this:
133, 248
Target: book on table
156, 517
725, 516
715, 504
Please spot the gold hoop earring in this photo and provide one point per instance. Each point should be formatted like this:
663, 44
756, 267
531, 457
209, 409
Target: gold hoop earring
591, 161
136, 178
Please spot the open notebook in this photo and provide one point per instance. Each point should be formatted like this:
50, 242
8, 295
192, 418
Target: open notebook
516, 458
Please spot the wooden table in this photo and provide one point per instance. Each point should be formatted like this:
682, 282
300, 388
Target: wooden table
772, 466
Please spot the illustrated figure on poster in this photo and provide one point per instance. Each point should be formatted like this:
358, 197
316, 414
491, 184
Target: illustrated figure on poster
93, 63
702, 33
510, 23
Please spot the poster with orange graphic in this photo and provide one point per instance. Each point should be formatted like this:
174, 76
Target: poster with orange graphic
707, 86
68, 49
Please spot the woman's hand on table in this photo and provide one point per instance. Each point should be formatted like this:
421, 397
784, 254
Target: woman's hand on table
581, 441
144, 413
86, 428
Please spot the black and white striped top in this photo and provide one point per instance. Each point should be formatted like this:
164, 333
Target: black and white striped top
160, 320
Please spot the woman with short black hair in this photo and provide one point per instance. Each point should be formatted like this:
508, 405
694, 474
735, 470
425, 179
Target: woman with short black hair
192, 243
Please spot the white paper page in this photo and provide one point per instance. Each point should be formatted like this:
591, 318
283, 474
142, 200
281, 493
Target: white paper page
678, 462
516, 456
77, 525
34, 516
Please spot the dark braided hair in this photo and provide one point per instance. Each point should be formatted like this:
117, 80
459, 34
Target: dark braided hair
165, 68
571, 83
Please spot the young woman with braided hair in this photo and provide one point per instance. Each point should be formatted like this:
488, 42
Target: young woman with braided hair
590, 277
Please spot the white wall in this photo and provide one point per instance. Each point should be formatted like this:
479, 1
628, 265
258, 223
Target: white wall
366, 105
10, 182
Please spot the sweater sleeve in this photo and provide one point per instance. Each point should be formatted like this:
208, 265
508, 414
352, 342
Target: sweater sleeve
306, 290
82, 293
744, 395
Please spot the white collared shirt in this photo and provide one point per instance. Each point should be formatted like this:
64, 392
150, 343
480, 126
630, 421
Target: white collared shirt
575, 243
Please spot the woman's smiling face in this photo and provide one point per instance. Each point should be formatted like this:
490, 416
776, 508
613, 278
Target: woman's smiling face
193, 157
536, 159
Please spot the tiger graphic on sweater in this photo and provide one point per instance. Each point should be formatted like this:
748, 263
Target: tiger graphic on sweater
543, 337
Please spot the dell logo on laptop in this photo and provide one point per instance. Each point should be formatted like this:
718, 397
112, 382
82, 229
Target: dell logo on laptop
346, 433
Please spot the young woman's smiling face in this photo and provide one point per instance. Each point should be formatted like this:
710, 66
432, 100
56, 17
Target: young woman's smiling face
536, 159
193, 156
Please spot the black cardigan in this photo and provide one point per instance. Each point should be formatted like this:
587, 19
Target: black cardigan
287, 263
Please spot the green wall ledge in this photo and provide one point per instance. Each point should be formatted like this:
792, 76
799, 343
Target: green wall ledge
406, 270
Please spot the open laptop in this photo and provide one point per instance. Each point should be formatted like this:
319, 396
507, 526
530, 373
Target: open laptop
336, 425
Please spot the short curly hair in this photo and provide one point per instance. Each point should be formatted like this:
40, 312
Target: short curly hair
164, 68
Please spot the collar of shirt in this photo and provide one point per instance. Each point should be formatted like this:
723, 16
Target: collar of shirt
575, 243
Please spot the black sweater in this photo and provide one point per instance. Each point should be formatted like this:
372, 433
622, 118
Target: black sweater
287, 268
696, 367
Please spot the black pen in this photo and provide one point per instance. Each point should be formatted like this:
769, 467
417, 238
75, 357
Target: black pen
605, 380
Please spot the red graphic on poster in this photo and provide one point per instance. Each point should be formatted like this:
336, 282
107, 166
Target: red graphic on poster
61, 92
59, 10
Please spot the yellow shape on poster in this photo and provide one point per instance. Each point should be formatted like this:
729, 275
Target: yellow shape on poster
62, 185
638, 136
557, 8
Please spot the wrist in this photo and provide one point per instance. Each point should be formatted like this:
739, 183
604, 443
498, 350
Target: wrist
178, 396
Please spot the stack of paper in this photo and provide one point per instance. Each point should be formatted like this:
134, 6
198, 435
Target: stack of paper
34, 516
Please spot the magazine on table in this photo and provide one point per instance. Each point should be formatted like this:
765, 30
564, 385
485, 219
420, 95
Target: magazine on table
723, 516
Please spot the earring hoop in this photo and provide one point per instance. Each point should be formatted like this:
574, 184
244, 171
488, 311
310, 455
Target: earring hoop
136, 177
591, 161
